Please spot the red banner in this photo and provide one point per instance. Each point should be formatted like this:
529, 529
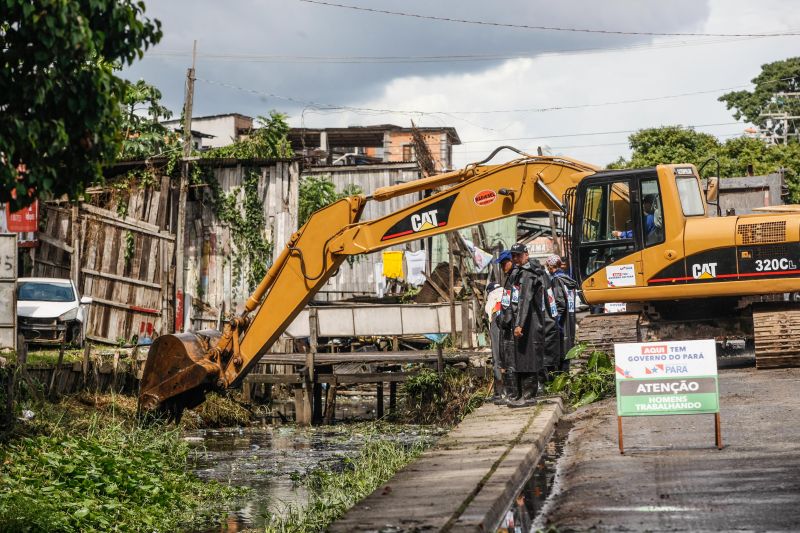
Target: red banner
25, 220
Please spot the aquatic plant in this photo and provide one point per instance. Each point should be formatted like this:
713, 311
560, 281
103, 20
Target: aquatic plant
334, 491
72, 469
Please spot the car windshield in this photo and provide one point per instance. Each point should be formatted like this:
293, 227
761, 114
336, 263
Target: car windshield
42, 291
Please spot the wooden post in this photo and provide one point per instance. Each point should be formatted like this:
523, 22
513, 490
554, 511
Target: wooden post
393, 398
718, 430
330, 402
395, 343
300, 408
52, 388
182, 193
380, 400
85, 364
466, 325
317, 414
619, 433
75, 259
310, 377
452, 292
439, 358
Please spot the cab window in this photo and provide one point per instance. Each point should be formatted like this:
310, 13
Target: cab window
652, 213
689, 193
607, 230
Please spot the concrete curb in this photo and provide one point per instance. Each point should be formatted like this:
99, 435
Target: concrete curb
467, 481
488, 507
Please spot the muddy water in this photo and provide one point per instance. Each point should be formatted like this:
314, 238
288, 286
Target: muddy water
530, 500
273, 460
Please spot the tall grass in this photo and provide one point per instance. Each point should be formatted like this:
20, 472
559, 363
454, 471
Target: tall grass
72, 471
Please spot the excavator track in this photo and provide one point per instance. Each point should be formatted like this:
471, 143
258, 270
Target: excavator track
601, 332
777, 335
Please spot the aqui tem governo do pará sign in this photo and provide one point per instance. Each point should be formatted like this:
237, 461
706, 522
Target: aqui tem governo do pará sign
666, 378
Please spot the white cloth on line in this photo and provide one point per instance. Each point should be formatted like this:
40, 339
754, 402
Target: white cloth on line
415, 266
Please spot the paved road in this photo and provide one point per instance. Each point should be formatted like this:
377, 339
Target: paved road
672, 478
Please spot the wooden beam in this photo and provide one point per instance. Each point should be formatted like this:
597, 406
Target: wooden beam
131, 226
125, 279
61, 245
129, 307
341, 379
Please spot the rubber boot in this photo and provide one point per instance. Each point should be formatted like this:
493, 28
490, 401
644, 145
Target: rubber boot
519, 399
530, 386
511, 384
499, 397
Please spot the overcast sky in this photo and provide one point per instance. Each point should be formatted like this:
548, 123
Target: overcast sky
490, 83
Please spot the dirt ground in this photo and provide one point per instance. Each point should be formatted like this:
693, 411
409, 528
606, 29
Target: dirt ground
672, 477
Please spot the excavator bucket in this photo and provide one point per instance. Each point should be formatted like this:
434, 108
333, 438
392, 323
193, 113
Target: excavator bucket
178, 372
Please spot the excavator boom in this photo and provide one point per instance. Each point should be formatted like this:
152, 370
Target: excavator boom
181, 368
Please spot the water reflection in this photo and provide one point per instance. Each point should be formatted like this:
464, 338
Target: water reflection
273, 460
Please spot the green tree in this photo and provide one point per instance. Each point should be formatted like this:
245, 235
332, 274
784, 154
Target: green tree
668, 144
317, 192
269, 141
769, 97
675, 144
143, 135
59, 96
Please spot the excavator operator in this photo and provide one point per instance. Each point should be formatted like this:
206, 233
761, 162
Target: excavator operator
648, 207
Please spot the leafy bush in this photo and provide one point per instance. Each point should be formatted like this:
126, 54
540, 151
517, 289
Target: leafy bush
588, 383
101, 476
443, 398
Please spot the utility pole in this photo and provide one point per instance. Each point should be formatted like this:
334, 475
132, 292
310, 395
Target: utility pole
184, 188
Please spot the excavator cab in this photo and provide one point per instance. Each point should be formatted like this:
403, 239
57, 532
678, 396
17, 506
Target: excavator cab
616, 216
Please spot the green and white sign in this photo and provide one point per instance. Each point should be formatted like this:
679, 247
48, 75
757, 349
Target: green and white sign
666, 378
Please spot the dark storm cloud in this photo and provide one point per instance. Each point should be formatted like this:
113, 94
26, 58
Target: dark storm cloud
293, 28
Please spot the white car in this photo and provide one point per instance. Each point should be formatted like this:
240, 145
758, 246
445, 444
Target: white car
48, 308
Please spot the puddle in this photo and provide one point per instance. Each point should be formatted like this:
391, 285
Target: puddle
530, 500
273, 460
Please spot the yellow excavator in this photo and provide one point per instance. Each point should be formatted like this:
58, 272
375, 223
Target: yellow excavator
644, 237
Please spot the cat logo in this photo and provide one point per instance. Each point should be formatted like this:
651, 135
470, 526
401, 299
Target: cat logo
427, 218
704, 271
424, 221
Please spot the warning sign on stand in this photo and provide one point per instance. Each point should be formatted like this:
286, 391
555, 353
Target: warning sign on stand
667, 378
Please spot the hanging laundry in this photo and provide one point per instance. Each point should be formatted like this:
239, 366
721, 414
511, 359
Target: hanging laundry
480, 258
380, 280
415, 266
393, 264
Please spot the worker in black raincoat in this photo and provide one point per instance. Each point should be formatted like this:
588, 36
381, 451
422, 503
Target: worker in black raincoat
564, 289
505, 322
528, 325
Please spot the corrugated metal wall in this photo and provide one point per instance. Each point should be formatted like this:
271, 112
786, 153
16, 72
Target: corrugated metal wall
360, 277
210, 283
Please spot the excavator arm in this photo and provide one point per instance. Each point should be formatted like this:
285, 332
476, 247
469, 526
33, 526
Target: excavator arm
181, 368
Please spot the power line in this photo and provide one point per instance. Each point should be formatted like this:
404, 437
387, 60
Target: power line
442, 58
588, 134
416, 112
546, 28
599, 145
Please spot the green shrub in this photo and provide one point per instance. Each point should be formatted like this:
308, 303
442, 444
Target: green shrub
587, 383
443, 398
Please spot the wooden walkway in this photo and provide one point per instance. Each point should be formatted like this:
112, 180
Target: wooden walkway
466, 482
